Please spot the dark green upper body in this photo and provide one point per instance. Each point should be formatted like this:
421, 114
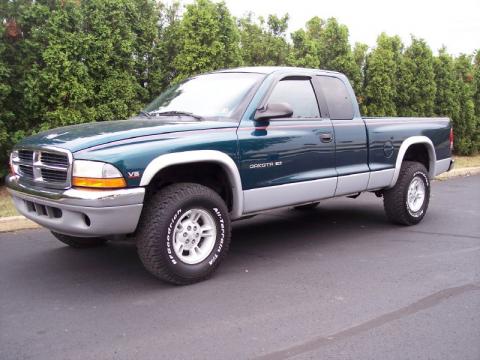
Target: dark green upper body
325, 136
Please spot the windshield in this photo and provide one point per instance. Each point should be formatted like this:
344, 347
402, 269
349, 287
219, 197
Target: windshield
210, 95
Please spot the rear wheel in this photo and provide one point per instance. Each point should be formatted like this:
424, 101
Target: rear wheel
407, 202
184, 233
79, 242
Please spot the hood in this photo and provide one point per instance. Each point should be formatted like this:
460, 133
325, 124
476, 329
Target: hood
83, 136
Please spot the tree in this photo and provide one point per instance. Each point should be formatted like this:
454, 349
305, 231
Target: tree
416, 81
306, 44
335, 52
166, 49
71, 61
381, 76
58, 88
477, 100
446, 98
18, 53
145, 28
360, 52
209, 39
95, 62
112, 56
465, 125
477, 82
5, 114
304, 52
325, 45
263, 42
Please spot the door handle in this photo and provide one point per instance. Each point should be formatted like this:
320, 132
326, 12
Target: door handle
326, 137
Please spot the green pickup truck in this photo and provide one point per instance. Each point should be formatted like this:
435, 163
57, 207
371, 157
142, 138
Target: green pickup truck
220, 147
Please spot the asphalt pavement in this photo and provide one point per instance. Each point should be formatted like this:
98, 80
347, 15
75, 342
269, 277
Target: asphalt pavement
336, 282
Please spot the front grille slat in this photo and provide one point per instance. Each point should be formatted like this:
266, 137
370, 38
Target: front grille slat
54, 159
54, 175
26, 156
26, 171
47, 168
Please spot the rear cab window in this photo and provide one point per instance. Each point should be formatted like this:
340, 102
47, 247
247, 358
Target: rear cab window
337, 97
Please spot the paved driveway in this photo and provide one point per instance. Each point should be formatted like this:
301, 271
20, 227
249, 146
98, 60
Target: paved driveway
339, 282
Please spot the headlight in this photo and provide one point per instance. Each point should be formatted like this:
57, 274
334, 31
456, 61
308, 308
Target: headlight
96, 174
13, 162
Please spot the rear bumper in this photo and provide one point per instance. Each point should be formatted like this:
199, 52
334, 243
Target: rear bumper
79, 212
443, 165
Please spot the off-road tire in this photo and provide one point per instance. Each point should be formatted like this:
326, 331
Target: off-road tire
155, 232
80, 242
306, 207
395, 200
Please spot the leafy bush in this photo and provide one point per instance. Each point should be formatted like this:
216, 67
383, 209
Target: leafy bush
71, 61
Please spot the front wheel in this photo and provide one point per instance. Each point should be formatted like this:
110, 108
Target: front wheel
79, 242
184, 233
407, 202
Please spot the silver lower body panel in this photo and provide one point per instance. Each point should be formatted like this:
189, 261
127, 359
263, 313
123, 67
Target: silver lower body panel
443, 165
288, 194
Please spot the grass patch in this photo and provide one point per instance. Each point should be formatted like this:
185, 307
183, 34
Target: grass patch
6, 204
467, 161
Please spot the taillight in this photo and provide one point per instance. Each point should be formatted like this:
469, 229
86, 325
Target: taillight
451, 139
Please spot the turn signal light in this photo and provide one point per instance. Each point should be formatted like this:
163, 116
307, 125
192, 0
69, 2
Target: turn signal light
108, 183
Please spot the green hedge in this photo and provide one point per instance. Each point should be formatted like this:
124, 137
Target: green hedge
73, 61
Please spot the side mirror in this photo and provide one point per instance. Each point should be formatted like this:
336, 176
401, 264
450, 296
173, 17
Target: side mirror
273, 111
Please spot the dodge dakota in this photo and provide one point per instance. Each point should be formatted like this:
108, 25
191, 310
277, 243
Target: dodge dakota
220, 147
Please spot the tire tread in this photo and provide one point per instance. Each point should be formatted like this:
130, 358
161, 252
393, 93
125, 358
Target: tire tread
155, 217
394, 198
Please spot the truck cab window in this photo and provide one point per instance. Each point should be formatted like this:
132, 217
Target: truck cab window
338, 99
299, 95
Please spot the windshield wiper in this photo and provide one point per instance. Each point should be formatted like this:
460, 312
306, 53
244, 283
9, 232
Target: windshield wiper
145, 113
177, 113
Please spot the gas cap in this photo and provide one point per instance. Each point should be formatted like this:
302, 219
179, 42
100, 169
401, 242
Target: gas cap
388, 149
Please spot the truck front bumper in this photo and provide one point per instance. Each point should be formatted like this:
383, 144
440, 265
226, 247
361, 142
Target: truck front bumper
87, 213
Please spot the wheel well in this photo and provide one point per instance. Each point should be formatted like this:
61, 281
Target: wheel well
208, 174
418, 153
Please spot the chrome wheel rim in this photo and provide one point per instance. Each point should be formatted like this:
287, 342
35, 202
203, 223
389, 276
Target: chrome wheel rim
194, 236
416, 194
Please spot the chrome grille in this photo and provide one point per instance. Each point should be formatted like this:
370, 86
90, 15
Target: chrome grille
54, 175
26, 156
44, 167
54, 159
26, 171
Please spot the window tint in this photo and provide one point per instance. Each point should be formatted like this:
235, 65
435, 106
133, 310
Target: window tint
299, 95
338, 99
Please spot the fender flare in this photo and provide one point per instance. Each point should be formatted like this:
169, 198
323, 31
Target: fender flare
432, 157
195, 156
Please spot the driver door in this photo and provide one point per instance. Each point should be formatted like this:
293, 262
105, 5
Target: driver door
290, 160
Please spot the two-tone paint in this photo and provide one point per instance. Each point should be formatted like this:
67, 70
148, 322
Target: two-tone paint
363, 153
